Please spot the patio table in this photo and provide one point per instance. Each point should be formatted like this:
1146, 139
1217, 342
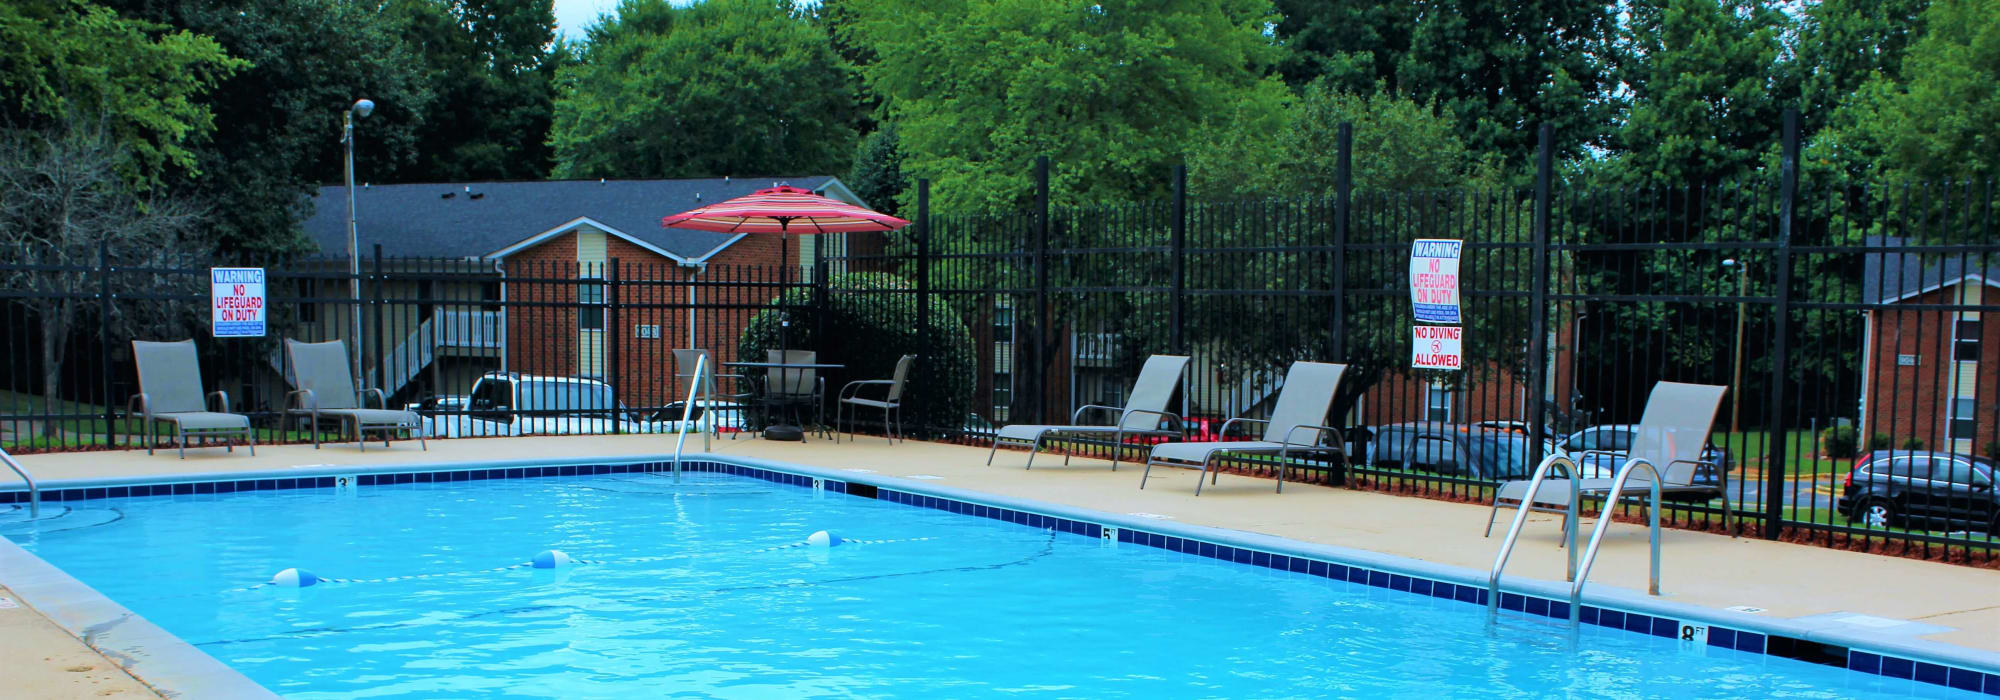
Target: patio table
783, 431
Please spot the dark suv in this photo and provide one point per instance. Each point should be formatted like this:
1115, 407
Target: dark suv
1892, 487
1454, 450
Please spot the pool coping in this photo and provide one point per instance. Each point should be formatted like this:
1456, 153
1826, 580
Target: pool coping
1922, 661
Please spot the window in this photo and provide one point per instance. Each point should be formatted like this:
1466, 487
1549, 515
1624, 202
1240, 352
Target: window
1003, 324
591, 296
489, 293
1003, 389
1959, 472
1437, 403
308, 308
1962, 424
1910, 468
1965, 344
1616, 439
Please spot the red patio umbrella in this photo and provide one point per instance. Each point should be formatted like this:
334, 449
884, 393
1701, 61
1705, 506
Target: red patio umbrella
776, 210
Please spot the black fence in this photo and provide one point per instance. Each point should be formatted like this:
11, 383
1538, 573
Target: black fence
1851, 325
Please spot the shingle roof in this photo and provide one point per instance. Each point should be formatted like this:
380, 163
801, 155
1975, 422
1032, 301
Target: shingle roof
419, 220
1888, 277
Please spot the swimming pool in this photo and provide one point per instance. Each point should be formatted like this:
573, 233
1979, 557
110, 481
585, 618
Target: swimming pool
705, 587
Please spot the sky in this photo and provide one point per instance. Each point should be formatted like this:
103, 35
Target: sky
574, 16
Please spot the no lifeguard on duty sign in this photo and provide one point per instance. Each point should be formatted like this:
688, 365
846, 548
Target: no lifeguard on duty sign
1434, 280
236, 301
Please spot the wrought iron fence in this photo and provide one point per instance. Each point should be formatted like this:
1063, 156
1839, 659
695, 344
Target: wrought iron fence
1852, 326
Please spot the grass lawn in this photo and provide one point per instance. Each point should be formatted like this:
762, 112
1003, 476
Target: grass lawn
1833, 516
1802, 456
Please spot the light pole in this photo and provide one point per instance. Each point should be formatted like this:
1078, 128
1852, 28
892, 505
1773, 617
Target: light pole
361, 108
1736, 382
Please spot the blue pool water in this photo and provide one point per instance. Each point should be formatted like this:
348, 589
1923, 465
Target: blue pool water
698, 588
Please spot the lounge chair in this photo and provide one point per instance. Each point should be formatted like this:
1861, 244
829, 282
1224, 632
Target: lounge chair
1302, 405
1143, 411
737, 402
326, 390
1670, 436
892, 401
170, 392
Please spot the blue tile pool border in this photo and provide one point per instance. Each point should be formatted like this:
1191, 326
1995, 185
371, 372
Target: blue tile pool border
1385, 574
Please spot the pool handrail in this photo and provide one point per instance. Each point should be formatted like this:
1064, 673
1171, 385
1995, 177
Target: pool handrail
34, 492
1521, 517
1604, 520
700, 373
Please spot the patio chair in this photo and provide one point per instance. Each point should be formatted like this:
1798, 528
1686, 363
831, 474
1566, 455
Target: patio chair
685, 359
893, 401
170, 392
1670, 436
1145, 407
793, 388
1303, 401
326, 390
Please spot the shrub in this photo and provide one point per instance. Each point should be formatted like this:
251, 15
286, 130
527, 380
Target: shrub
871, 321
1839, 441
1879, 441
1915, 443
1993, 450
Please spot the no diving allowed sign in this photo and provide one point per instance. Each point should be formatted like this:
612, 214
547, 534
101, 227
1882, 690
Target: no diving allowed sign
1433, 300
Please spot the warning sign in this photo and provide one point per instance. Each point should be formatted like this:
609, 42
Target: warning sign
1434, 280
1437, 347
236, 301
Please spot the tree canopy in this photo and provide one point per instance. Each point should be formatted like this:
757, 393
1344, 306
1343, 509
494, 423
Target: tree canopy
1110, 91
722, 87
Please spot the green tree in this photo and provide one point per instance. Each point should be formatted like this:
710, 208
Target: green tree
1938, 121
279, 121
1703, 75
1498, 68
492, 64
877, 175
62, 60
1399, 145
1111, 91
723, 87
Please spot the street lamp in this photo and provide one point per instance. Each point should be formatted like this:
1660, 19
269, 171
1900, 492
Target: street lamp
1736, 383
361, 108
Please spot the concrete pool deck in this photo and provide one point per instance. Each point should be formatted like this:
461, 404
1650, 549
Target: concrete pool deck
1879, 595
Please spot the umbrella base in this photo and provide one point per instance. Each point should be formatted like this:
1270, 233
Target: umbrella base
788, 433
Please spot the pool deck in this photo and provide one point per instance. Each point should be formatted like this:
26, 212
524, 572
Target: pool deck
1883, 596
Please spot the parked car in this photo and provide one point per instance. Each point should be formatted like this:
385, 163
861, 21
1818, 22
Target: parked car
1617, 439
1459, 450
1934, 489
729, 416
432, 404
507, 404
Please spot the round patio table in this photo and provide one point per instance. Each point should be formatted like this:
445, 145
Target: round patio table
783, 431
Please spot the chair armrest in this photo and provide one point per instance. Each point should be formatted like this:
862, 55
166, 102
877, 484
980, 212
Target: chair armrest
145, 405
224, 395
1320, 430
1239, 419
311, 403
1175, 419
361, 397
1077, 417
853, 387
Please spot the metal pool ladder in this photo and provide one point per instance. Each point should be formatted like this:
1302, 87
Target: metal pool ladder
1578, 576
700, 377
34, 492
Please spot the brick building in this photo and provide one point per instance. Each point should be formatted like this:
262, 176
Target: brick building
1930, 373
514, 276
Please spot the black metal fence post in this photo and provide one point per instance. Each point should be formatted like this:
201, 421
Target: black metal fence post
1538, 315
104, 342
1178, 262
1343, 184
612, 336
1781, 330
1038, 388
376, 304
923, 222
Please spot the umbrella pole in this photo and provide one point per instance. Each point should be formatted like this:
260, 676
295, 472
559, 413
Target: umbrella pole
784, 430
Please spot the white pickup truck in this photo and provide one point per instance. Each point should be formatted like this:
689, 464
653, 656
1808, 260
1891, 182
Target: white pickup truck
507, 404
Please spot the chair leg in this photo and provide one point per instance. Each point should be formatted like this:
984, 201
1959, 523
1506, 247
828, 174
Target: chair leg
250, 436
152, 436
180, 440
1493, 514
1204, 473
991, 450
1037, 449
1148, 473
1117, 447
886, 428
1284, 460
1726, 513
